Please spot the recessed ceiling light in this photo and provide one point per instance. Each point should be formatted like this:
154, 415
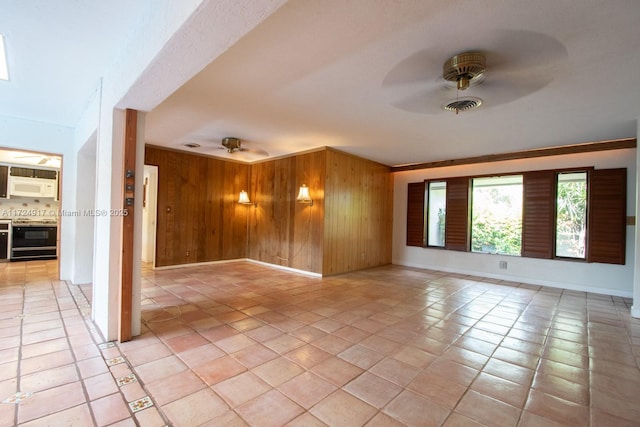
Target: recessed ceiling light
4, 71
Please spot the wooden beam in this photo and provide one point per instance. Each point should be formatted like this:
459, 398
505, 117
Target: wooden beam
588, 147
126, 290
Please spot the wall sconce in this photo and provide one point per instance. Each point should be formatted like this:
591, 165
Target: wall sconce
244, 199
303, 195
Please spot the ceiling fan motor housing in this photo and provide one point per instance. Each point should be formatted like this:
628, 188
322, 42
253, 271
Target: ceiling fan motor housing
464, 68
231, 143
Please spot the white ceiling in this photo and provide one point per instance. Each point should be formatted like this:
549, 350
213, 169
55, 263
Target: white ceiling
361, 75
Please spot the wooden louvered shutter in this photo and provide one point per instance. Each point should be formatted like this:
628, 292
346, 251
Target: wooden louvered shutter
457, 220
607, 216
538, 216
415, 214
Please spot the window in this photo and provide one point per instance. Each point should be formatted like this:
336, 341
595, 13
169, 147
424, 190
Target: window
539, 214
496, 215
436, 213
571, 214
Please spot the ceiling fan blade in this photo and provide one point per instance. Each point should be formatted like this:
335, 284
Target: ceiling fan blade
513, 50
508, 87
256, 151
423, 102
422, 67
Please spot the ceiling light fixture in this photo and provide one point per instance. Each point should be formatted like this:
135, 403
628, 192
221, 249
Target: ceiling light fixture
4, 70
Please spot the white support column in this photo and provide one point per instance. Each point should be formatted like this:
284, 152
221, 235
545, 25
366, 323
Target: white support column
635, 308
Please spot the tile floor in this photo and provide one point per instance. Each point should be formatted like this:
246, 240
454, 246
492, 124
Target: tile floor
243, 344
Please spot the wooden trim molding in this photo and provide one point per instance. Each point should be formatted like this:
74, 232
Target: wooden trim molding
617, 144
126, 289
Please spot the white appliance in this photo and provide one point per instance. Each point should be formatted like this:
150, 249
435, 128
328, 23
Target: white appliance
32, 187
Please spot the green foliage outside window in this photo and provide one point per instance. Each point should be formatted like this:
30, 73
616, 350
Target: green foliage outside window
571, 217
496, 225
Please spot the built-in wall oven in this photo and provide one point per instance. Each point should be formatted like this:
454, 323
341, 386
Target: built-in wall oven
33, 239
5, 240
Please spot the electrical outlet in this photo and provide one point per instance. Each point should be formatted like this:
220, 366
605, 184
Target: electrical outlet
502, 265
188, 253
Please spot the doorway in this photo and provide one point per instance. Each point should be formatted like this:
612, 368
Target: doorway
149, 214
29, 199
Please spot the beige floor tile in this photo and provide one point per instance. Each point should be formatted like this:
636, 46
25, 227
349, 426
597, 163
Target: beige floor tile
373, 390
215, 371
305, 420
254, 355
195, 409
306, 389
395, 371
509, 371
150, 417
343, 409
76, 416
198, 355
361, 356
307, 356
152, 371
564, 389
387, 346
235, 343
241, 388
556, 409
172, 387
49, 378
140, 356
411, 409
50, 401
336, 371
437, 389
506, 391
109, 409
260, 411
487, 410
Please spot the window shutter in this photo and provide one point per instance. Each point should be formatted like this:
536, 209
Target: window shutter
538, 217
415, 214
457, 221
607, 216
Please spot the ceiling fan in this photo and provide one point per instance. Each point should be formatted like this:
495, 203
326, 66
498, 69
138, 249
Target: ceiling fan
515, 64
43, 159
233, 144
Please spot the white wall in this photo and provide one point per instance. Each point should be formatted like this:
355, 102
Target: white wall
85, 203
593, 277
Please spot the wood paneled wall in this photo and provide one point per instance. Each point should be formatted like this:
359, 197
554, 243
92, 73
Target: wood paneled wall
199, 218
358, 213
347, 228
282, 231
